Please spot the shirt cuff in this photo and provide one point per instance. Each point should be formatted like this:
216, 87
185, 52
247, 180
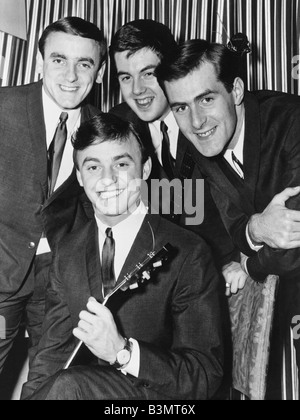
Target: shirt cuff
133, 368
245, 267
255, 248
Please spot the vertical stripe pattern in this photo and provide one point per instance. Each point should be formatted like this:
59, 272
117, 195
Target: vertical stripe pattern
272, 26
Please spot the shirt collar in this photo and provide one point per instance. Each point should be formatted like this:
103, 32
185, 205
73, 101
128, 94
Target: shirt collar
132, 223
52, 111
170, 121
238, 150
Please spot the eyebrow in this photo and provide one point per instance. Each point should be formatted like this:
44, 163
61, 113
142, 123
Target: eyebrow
90, 159
196, 99
115, 159
124, 156
79, 59
125, 73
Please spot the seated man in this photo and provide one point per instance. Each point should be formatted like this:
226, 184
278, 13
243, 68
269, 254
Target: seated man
175, 346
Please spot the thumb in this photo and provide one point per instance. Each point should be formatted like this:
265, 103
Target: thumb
285, 195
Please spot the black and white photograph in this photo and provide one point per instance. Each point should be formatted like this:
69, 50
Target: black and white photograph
150, 202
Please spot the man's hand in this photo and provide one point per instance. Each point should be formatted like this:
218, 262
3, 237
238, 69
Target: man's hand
277, 227
235, 276
98, 330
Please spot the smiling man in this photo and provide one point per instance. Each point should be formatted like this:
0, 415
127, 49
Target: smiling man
247, 145
136, 50
39, 192
161, 342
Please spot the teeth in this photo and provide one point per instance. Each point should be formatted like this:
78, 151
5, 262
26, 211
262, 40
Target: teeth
107, 195
146, 101
68, 89
208, 133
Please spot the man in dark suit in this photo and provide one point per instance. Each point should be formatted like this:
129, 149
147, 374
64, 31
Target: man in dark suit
39, 192
136, 50
174, 350
247, 145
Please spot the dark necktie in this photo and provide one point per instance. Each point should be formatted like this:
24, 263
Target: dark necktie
167, 160
56, 151
108, 256
238, 164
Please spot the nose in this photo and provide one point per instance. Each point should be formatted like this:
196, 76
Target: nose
198, 120
109, 178
138, 87
71, 73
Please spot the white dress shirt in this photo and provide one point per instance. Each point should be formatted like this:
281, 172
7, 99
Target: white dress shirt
52, 113
157, 136
125, 234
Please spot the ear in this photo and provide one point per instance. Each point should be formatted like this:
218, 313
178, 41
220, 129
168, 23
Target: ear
147, 169
100, 73
39, 63
79, 177
238, 91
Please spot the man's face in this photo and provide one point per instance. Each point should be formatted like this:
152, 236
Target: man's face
206, 113
111, 175
139, 86
70, 68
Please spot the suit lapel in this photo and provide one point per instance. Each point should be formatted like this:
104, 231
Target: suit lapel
211, 168
93, 265
142, 245
35, 112
252, 146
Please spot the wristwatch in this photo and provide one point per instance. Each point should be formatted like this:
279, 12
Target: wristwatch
124, 356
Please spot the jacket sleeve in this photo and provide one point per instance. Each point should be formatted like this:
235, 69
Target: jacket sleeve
285, 263
193, 368
57, 342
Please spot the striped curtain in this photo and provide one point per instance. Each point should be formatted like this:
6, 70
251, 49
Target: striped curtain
272, 26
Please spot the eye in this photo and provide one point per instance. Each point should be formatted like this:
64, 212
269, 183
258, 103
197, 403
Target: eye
86, 66
93, 168
122, 165
207, 101
149, 75
124, 79
180, 110
59, 61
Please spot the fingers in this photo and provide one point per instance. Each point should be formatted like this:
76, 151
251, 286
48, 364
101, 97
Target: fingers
285, 195
97, 309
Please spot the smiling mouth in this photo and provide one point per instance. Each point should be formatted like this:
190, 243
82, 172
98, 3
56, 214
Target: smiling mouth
68, 89
207, 133
144, 103
108, 195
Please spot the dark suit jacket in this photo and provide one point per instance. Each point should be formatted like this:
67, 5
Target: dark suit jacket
271, 164
25, 211
212, 228
175, 317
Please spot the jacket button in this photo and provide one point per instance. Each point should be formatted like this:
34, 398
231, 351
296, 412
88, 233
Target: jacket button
31, 245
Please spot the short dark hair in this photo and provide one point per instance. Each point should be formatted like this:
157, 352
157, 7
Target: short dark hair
105, 128
140, 34
192, 54
77, 27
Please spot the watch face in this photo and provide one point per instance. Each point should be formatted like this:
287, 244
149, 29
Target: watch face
124, 357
